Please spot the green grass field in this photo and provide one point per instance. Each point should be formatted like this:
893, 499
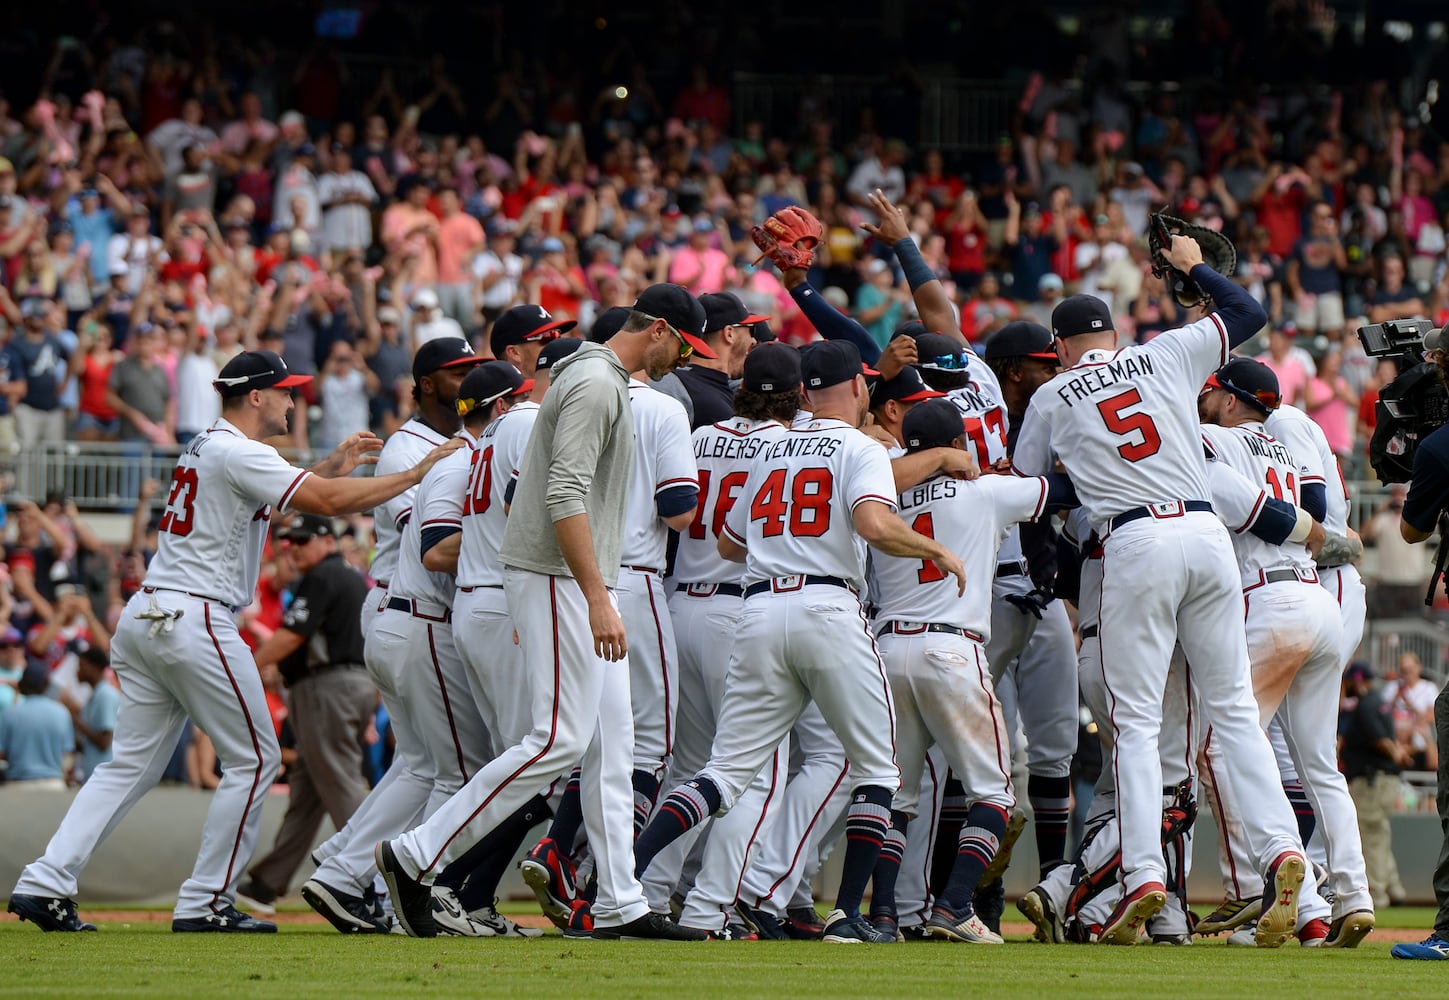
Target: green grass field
145, 959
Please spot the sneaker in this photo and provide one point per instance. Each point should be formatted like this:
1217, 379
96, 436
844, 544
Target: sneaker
840, 929
733, 932
372, 901
349, 914
960, 925
500, 925
1281, 886
49, 913
257, 896
765, 924
650, 927
803, 924
229, 919
886, 923
1312, 934
1348, 930
581, 921
912, 932
1230, 915
550, 875
1002, 859
1037, 906
412, 902
1135, 909
1432, 949
450, 917
1176, 938
989, 903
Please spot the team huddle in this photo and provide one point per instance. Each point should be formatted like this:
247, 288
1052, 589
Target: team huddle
708, 605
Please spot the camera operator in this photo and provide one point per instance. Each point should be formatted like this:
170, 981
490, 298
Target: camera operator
1425, 505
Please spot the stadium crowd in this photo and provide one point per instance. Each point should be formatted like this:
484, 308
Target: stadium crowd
167, 201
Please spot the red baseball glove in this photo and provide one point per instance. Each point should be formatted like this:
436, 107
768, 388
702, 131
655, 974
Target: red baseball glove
788, 238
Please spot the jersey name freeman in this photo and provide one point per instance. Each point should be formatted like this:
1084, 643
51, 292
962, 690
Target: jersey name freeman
1104, 376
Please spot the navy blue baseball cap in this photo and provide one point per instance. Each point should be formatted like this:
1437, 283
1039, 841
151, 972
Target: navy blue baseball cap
676, 306
1021, 339
555, 351
443, 352
906, 387
255, 370
488, 383
1080, 314
772, 368
831, 362
1251, 381
525, 323
912, 328
941, 353
608, 323
722, 309
934, 424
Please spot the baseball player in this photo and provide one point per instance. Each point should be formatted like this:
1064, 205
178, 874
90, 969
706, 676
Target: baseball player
932, 644
1073, 901
1294, 642
706, 386
811, 497
342, 887
522, 332
1032, 636
1116, 420
178, 653
561, 551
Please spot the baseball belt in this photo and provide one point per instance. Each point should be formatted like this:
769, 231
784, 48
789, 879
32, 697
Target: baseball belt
1281, 576
1089, 632
417, 609
901, 628
233, 608
789, 584
1017, 567
1161, 511
710, 589
642, 569
482, 586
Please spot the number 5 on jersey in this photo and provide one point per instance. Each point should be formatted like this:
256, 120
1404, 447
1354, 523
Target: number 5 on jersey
1143, 441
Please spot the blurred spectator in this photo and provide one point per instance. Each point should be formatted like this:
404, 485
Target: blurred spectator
1397, 572
1313, 275
36, 355
499, 273
429, 322
460, 240
1372, 760
1411, 702
35, 735
1331, 402
879, 303
1394, 299
94, 718
1292, 364
344, 387
12, 666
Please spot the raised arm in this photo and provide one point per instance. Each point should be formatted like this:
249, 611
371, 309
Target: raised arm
1240, 313
932, 302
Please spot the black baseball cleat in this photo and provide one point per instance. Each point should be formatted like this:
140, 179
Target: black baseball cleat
549, 873
650, 927
49, 913
228, 920
412, 901
348, 913
1037, 906
734, 932
989, 904
765, 924
803, 924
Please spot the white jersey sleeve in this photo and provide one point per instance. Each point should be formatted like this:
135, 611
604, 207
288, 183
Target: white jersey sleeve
1033, 455
1319, 464
1237, 500
795, 514
971, 518
218, 510
723, 453
437, 503
491, 469
663, 460
1199, 349
407, 446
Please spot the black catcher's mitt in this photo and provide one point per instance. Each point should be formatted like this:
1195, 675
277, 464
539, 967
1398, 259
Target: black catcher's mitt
1217, 252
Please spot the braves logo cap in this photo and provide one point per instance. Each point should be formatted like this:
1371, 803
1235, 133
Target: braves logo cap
556, 350
1080, 314
722, 309
444, 352
1251, 381
306, 527
906, 387
488, 383
256, 370
934, 424
831, 362
524, 323
772, 367
1021, 339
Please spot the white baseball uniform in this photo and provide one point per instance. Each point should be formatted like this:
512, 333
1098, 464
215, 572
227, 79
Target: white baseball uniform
386, 810
189, 661
1124, 425
1294, 635
932, 640
663, 460
482, 628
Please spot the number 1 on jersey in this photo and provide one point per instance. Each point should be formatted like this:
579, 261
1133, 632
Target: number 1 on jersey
929, 571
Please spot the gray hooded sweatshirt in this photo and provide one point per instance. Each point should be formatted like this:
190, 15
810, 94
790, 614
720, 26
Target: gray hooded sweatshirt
578, 461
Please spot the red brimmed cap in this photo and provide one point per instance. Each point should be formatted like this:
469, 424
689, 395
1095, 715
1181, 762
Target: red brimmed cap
256, 370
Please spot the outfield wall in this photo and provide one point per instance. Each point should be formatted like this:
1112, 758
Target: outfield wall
151, 852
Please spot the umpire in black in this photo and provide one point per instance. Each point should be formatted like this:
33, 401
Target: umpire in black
330, 701
1427, 502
